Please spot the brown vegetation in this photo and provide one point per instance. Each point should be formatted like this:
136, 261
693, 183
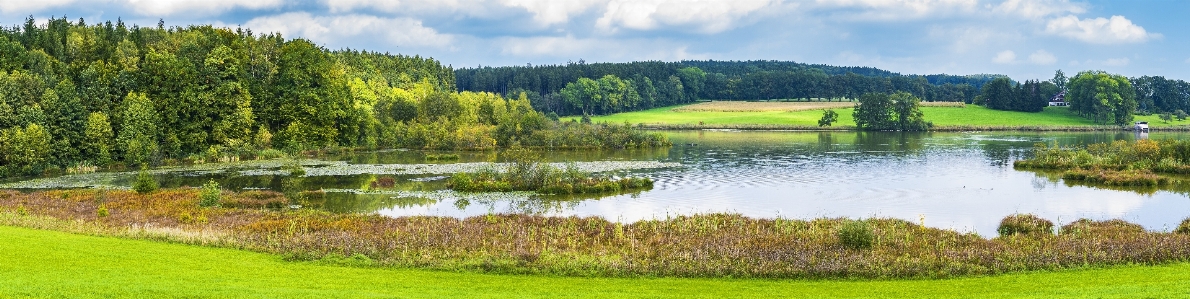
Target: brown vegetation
716, 245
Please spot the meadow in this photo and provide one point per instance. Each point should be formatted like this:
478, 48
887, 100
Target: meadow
705, 245
973, 117
47, 264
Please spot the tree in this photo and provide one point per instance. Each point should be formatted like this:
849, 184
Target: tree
907, 109
1102, 97
998, 94
828, 117
138, 132
873, 111
900, 111
1060, 80
1166, 117
98, 143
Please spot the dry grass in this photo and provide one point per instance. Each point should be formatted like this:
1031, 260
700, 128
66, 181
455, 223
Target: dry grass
715, 245
742, 106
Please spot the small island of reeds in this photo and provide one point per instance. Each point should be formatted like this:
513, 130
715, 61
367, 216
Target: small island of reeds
525, 172
1120, 163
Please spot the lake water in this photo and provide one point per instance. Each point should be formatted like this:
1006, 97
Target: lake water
962, 181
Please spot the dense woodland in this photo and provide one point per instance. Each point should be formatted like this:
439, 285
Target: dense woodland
604, 88
74, 93
642, 85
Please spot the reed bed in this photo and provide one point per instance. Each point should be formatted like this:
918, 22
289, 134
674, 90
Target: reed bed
713, 245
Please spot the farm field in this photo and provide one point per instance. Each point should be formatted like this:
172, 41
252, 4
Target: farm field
971, 115
36, 263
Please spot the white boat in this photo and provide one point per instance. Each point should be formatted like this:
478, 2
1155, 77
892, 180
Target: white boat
1142, 126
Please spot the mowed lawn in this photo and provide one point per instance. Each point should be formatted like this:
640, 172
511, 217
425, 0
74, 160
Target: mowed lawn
35, 263
971, 115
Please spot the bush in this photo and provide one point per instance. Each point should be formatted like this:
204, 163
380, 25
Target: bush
102, 212
856, 234
210, 196
269, 154
1025, 224
144, 182
1108, 228
1183, 228
256, 199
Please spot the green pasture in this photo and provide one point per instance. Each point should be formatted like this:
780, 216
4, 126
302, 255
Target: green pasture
971, 115
47, 264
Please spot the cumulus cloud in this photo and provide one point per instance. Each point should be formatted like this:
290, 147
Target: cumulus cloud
1116, 30
30, 6
1005, 57
707, 16
596, 49
191, 7
892, 10
1036, 9
549, 12
1042, 57
341, 28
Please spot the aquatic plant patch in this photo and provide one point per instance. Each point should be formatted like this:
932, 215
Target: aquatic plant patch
713, 245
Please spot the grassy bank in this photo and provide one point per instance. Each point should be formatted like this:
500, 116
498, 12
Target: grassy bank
971, 117
36, 263
714, 245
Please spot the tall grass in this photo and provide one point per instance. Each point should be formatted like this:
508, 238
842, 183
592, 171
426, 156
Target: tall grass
712, 245
1118, 163
525, 172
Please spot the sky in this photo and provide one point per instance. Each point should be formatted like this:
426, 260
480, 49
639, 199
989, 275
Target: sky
1019, 38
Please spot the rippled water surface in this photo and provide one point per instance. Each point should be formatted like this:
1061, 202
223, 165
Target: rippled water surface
963, 181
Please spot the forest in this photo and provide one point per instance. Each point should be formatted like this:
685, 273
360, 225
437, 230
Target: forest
579, 88
647, 84
74, 94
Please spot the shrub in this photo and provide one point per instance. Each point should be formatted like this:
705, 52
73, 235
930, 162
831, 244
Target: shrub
1107, 228
1183, 228
102, 212
856, 234
1025, 224
256, 199
210, 196
269, 154
144, 182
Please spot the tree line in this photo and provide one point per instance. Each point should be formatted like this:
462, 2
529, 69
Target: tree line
660, 84
72, 92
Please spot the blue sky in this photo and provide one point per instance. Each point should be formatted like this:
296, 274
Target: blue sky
1022, 39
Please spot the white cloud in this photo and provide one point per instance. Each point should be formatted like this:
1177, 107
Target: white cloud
30, 6
595, 49
1099, 30
342, 28
1035, 9
891, 10
192, 7
1005, 57
549, 12
707, 16
1042, 57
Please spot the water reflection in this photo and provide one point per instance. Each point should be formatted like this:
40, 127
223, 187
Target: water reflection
963, 181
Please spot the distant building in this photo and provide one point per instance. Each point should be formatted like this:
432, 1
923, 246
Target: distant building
1059, 100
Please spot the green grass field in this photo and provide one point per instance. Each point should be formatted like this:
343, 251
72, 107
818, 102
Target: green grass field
971, 115
36, 263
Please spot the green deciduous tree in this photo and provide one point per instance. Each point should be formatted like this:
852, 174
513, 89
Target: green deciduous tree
1102, 97
899, 112
138, 132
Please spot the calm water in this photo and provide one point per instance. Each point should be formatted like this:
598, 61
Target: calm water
963, 181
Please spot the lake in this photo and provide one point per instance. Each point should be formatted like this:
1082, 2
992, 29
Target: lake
961, 181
